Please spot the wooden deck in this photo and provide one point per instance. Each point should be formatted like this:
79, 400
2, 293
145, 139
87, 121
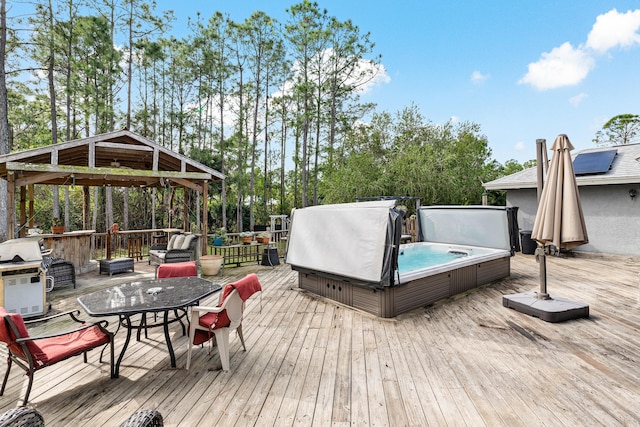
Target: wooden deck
466, 361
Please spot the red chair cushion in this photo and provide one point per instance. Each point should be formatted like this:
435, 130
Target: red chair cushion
177, 269
246, 287
201, 337
48, 351
7, 335
210, 321
217, 320
59, 348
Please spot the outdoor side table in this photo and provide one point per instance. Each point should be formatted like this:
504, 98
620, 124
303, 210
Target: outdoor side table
115, 265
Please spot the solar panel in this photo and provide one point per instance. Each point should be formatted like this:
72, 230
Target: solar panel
593, 163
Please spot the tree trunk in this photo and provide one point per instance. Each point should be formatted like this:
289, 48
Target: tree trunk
4, 117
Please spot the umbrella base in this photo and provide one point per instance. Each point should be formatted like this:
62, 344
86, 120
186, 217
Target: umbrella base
551, 310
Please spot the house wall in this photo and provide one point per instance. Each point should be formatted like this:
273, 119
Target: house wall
611, 216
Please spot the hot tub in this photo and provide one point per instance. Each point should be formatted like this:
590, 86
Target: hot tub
372, 273
422, 259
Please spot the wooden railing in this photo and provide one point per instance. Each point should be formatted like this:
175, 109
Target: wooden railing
120, 241
149, 237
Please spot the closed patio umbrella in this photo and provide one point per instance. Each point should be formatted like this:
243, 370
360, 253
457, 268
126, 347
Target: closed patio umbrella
559, 222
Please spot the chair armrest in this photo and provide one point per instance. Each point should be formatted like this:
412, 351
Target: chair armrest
159, 247
73, 313
102, 324
202, 308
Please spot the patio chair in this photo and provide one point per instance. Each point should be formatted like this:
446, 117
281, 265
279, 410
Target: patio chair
164, 271
219, 321
181, 247
178, 269
34, 353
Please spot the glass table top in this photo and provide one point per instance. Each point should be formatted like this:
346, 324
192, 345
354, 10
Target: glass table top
147, 296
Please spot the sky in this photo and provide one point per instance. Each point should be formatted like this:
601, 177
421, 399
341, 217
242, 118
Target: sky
522, 70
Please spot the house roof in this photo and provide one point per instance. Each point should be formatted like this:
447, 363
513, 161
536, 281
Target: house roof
121, 159
625, 169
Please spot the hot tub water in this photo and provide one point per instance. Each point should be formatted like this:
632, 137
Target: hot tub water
416, 257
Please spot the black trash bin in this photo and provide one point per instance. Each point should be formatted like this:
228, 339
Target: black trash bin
528, 245
270, 257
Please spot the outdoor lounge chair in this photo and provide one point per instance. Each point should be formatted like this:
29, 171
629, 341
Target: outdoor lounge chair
181, 248
218, 322
34, 353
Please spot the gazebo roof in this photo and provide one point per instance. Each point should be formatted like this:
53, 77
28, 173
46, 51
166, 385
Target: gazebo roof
120, 159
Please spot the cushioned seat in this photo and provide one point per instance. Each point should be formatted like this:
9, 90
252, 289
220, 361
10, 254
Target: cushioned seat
181, 247
34, 353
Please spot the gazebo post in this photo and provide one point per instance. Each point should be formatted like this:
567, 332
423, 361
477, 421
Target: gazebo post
11, 205
86, 205
23, 211
31, 207
205, 217
185, 209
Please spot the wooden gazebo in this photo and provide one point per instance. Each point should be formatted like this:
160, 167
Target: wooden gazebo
118, 159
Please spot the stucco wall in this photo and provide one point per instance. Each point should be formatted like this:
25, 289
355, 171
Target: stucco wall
611, 216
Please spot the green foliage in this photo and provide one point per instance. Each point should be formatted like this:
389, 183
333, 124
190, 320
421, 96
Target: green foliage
619, 130
512, 166
214, 96
406, 155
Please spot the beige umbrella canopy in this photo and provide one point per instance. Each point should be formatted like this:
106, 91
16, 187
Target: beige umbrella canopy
559, 220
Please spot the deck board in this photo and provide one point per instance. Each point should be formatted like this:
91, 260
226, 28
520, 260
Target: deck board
463, 361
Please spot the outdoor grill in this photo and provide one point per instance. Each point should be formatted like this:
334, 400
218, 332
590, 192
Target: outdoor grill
22, 278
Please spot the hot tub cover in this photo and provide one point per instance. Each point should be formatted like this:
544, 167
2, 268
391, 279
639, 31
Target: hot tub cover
484, 226
353, 240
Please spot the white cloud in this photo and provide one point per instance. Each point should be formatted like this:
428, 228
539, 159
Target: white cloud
614, 29
365, 75
568, 66
520, 146
563, 66
379, 72
578, 99
454, 119
477, 77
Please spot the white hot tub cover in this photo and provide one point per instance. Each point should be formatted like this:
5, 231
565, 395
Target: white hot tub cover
484, 226
353, 240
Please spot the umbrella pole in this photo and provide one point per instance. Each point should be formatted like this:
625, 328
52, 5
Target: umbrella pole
541, 254
542, 260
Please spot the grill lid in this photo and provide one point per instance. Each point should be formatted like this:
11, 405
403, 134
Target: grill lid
20, 250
